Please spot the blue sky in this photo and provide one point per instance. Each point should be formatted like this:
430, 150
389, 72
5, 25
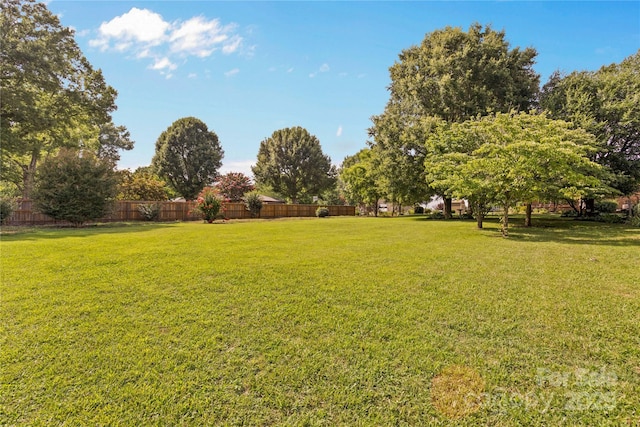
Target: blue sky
249, 68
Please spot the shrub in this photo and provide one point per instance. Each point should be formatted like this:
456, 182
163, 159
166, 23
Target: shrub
209, 203
75, 186
7, 206
141, 185
606, 206
418, 209
436, 215
634, 220
253, 203
322, 211
569, 214
149, 211
609, 218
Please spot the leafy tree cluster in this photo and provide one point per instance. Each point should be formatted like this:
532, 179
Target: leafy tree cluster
507, 158
465, 119
604, 103
52, 97
290, 163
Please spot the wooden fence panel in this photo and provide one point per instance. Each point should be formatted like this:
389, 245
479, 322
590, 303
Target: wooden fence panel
127, 210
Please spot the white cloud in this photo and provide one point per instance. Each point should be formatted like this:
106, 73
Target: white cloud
145, 34
323, 69
139, 25
201, 38
339, 132
232, 45
232, 72
163, 63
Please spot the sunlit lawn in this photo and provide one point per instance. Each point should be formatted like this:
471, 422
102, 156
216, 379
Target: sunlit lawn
334, 321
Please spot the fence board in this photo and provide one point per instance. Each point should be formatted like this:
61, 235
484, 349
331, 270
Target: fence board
127, 210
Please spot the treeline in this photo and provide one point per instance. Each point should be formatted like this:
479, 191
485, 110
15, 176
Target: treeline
467, 118
60, 146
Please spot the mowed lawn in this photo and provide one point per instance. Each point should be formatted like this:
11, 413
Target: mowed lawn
334, 321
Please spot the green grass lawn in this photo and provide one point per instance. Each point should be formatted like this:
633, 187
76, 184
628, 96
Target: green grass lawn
335, 321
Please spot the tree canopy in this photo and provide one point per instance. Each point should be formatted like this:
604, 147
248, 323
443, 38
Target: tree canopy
360, 177
51, 95
456, 75
509, 158
291, 162
451, 76
188, 156
604, 103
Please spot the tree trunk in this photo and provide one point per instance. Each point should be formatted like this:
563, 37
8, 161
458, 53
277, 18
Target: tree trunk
527, 218
480, 218
590, 207
28, 175
505, 221
447, 208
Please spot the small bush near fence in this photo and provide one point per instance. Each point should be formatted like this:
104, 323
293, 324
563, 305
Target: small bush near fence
322, 211
149, 211
253, 203
126, 210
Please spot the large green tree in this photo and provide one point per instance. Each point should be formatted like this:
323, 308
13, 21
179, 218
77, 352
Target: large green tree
360, 178
51, 95
188, 156
75, 186
452, 75
507, 158
607, 104
291, 162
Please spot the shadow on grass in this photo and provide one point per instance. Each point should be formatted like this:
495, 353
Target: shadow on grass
45, 232
579, 233
560, 230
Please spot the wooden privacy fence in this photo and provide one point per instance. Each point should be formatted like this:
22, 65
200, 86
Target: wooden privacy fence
125, 210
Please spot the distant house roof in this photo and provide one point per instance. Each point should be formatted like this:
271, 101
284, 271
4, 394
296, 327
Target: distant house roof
267, 199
